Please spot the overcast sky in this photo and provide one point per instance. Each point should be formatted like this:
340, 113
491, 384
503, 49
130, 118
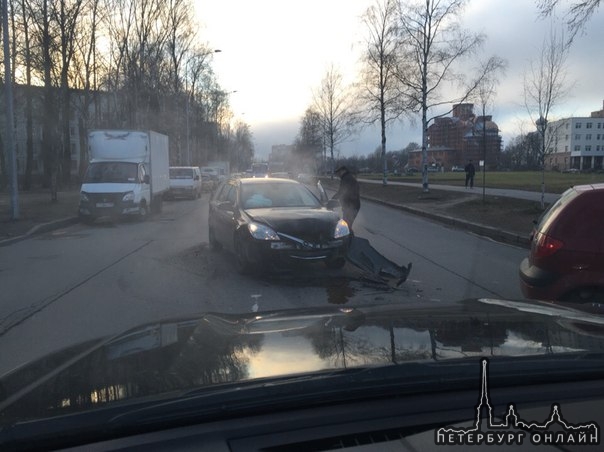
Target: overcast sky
275, 53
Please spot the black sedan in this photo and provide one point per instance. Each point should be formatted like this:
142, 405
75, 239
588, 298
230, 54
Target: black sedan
270, 223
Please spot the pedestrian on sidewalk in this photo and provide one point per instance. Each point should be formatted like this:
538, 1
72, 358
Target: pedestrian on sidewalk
470, 172
349, 195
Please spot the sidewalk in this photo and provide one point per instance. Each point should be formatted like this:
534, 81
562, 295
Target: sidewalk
549, 198
37, 213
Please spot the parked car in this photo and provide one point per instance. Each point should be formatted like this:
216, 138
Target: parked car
185, 181
566, 260
269, 222
411, 171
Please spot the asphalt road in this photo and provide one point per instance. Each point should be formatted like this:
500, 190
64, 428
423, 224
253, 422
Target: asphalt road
81, 282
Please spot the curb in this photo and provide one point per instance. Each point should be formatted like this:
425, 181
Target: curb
40, 229
496, 234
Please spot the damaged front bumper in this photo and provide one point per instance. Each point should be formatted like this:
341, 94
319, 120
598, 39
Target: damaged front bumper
292, 249
367, 258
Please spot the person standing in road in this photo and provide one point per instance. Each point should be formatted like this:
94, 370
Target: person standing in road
349, 195
470, 171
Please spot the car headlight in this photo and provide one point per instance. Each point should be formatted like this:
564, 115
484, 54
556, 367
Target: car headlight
342, 230
262, 232
84, 197
128, 196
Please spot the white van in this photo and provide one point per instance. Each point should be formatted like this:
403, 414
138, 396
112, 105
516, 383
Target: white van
185, 181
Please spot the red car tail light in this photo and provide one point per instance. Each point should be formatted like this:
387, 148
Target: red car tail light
545, 245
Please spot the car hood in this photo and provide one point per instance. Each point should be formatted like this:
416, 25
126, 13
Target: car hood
303, 222
165, 359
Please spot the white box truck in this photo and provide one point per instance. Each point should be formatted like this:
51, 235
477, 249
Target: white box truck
128, 174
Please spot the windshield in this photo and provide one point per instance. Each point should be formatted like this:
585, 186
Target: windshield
120, 172
181, 173
198, 195
277, 195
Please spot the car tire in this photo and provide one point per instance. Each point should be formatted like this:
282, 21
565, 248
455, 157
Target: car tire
143, 211
214, 244
241, 262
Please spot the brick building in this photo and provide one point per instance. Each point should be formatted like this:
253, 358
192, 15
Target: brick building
454, 140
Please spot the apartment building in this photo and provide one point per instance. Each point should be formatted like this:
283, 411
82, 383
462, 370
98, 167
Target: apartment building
576, 142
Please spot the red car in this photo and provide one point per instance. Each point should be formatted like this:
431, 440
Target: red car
566, 261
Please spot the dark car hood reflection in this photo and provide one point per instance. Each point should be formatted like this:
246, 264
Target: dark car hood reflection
181, 355
303, 221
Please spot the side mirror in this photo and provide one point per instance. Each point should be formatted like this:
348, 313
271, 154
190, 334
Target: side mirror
146, 179
226, 206
196, 178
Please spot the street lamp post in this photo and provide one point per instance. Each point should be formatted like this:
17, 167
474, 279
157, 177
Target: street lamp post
541, 124
484, 153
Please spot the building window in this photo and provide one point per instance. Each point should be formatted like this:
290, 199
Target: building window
566, 137
578, 125
588, 125
577, 148
565, 148
578, 136
598, 137
598, 147
599, 125
588, 148
567, 125
588, 136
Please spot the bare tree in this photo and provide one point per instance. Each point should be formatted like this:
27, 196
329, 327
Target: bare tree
577, 14
484, 93
85, 74
381, 97
434, 43
181, 36
50, 123
66, 14
27, 61
332, 102
243, 146
546, 85
310, 139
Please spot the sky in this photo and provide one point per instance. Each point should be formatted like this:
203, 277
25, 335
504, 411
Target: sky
274, 54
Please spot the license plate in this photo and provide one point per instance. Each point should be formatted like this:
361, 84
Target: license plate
104, 204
